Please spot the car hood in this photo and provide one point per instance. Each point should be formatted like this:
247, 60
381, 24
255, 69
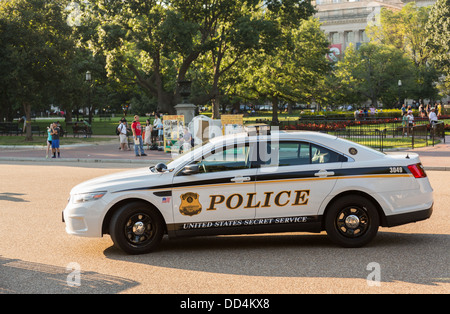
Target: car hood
142, 177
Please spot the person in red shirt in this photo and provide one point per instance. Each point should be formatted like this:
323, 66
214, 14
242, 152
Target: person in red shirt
137, 136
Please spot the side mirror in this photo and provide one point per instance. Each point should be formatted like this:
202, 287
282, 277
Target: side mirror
191, 169
161, 167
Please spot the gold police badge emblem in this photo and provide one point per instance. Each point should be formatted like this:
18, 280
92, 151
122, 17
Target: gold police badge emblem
190, 204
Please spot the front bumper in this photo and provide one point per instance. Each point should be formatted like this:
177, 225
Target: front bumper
84, 219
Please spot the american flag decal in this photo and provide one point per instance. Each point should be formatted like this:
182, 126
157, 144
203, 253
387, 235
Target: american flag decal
166, 200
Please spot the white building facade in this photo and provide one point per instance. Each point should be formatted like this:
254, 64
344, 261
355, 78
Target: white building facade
345, 21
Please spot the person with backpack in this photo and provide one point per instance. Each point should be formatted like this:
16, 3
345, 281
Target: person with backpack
122, 131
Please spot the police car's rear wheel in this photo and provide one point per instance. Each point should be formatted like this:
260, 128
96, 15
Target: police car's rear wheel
136, 228
352, 221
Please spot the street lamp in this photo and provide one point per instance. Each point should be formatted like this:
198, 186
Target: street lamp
399, 97
88, 80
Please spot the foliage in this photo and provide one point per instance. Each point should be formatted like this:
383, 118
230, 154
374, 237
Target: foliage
405, 30
158, 43
372, 72
291, 72
438, 40
35, 53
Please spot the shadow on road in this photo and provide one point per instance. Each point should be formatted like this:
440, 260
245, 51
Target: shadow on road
18, 276
12, 197
414, 258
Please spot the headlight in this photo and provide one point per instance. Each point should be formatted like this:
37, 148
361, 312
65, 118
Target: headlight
86, 197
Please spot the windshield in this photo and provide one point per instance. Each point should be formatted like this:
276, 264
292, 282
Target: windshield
187, 155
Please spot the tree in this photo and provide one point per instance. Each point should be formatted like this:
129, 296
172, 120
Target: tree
34, 50
405, 30
372, 72
291, 72
158, 42
438, 40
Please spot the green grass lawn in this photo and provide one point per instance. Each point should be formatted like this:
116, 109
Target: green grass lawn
107, 127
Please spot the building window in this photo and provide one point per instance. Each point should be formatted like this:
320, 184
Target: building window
335, 38
349, 37
363, 36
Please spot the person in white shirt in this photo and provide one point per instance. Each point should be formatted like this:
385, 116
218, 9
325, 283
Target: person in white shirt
432, 116
156, 124
410, 121
123, 135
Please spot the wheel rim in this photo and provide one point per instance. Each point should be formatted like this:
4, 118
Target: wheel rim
139, 229
352, 221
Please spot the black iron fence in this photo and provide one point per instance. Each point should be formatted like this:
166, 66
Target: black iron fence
380, 134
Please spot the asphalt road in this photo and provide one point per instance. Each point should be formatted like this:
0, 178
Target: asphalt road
37, 256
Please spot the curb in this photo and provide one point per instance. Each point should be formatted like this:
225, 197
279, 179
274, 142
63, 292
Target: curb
437, 168
18, 147
84, 160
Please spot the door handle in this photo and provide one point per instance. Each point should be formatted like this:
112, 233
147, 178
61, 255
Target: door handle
240, 179
324, 173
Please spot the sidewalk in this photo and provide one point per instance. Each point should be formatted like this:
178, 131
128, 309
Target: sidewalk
433, 157
104, 152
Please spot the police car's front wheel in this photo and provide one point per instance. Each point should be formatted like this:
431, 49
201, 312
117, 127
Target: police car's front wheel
136, 228
352, 221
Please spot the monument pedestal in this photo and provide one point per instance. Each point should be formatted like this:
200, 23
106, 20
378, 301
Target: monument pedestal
187, 110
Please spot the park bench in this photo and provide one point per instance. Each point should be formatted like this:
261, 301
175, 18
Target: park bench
13, 128
84, 130
3, 128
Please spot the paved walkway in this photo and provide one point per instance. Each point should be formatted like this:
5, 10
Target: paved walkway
105, 152
433, 157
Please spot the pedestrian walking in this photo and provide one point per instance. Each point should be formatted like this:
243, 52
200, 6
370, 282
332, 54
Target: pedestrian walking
137, 136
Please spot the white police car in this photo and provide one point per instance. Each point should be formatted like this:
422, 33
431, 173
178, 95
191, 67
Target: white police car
239, 184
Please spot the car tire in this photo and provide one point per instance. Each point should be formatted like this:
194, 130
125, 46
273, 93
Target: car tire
352, 221
136, 228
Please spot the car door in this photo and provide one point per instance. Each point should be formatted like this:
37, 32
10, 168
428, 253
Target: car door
215, 195
296, 179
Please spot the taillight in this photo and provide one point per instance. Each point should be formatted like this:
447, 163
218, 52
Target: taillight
417, 170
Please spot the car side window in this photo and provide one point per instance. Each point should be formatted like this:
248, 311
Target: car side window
320, 155
226, 159
300, 153
292, 153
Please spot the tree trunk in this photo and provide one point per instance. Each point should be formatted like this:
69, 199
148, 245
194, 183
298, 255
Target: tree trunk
275, 111
215, 108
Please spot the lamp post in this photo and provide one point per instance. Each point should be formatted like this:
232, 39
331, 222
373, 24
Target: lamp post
399, 97
88, 80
